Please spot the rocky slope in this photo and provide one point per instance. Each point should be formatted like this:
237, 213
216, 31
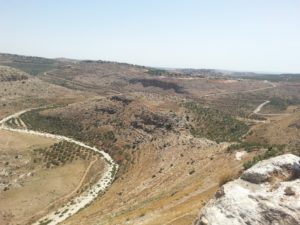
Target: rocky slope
267, 193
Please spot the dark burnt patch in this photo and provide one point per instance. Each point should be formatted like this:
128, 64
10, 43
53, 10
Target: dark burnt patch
120, 98
158, 83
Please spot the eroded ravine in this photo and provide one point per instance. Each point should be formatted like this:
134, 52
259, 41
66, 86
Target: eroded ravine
79, 202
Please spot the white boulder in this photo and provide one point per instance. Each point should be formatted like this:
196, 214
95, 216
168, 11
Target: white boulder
267, 193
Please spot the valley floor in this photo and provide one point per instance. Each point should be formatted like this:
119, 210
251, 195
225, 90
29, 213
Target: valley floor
54, 185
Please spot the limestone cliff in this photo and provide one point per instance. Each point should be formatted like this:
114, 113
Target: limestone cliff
267, 193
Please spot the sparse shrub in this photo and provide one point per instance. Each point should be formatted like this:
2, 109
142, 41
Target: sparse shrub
142, 214
247, 146
191, 172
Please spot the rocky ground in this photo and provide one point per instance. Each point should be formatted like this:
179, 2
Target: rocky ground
267, 193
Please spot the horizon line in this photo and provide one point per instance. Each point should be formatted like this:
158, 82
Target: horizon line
156, 67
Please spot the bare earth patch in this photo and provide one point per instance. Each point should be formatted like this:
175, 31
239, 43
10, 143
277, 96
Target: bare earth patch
29, 188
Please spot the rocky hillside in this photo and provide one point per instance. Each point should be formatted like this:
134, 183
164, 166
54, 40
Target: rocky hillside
267, 193
11, 74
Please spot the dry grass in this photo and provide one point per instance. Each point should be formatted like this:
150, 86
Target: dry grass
225, 177
32, 187
173, 194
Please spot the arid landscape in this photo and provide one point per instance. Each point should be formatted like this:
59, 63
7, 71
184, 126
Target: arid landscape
174, 138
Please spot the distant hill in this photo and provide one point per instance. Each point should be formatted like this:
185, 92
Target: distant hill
35, 65
28, 64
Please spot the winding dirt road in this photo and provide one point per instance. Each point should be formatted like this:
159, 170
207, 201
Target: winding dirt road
258, 109
86, 197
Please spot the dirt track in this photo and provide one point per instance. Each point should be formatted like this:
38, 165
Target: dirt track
86, 197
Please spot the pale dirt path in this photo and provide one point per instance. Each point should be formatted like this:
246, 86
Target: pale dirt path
258, 109
80, 183
246, 91
86, 197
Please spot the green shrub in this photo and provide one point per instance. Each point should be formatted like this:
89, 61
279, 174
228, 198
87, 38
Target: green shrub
271, 152
247, 146
213, 124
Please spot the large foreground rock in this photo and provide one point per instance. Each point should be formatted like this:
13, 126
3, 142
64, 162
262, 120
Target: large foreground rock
267, 193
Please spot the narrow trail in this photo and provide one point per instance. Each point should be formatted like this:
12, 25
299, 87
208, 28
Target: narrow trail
79, 202
246, 91
80, 183
63, 198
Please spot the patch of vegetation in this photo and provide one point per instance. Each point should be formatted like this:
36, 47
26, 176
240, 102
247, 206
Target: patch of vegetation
28, 64
296, 150
271, 152
256, 117
65, 211
149, 118
162, 72
108, 136
125, 100
55, 125
276, 78
114, 171
149, 121
282, 104
67, 127
33, 68
13, 77
12, 123
61, 153
213, 124
45, 222
247, 146
142, 214
158, 83
191, 172
156, 72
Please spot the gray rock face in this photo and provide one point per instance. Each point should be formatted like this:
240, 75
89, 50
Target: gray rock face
265, 170
268, 193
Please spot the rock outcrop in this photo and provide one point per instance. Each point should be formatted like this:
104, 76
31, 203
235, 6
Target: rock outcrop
267, 193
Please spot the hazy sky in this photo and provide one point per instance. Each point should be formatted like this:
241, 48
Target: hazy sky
252, 35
